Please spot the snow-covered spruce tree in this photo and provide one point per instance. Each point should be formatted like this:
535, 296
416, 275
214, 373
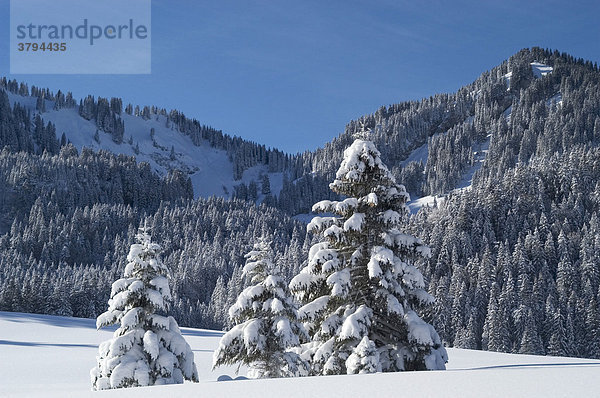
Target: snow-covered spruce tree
147, 349
360, 287
267, 328
364, 358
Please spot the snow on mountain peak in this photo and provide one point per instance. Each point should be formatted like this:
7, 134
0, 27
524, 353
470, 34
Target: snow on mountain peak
540, 69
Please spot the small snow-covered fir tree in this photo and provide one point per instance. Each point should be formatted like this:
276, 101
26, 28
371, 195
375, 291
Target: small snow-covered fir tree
148, 348
364, 358
266, 322
361, 287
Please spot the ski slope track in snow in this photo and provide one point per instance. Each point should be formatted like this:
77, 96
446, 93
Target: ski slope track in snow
50, 356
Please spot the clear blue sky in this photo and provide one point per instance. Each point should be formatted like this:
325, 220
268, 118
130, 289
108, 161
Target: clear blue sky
291, 74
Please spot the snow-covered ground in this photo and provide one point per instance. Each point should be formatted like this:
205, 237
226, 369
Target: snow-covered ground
426, 201
556, 99
48, 356
537, 68
421, 154
507, 112
507, 78
417, 155
209, 168
305, 217
540, 69
480, 150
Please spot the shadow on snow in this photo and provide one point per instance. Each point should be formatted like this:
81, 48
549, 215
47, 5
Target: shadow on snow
532, 365
32, 344
69, 322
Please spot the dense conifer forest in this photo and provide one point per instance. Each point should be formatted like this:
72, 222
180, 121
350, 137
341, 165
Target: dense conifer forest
512, 160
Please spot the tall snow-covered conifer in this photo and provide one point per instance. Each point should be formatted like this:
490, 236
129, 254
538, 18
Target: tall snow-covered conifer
266, 323
148, 348
360, 287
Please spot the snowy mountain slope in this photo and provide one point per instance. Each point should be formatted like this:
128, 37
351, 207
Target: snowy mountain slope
480, 149
417, 203
556, 99
539, 69
417, 155
49, 356
209, 168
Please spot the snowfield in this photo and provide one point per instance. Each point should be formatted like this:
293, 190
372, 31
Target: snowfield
209, 168
50, 356
540, 69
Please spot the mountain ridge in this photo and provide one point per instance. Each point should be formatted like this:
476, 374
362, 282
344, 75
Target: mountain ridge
513, 266
166, 140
